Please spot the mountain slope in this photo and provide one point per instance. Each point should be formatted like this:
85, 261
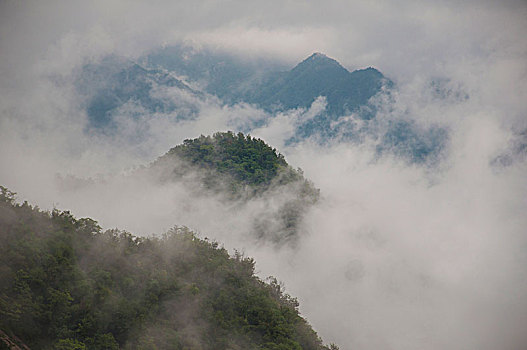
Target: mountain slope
269, 84
319, 75
242, 169
245, 160
118, 88
225, 75
66, 284
114, 82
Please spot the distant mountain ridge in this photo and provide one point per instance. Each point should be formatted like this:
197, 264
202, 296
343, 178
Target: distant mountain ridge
221, 74
319, 75
151, 86
273, 86
113, 82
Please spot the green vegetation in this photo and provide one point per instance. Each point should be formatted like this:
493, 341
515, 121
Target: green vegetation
246, 160
237, 163
243, 167
66, 284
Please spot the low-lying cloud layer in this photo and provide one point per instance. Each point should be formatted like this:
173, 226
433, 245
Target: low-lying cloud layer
400, 258
395, 255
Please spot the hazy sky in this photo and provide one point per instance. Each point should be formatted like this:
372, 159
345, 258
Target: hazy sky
395, 256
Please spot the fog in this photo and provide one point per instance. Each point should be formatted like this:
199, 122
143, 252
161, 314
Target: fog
395, 255
400, 258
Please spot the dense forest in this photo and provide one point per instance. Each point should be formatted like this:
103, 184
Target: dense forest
241, 159
67, 284
241, 167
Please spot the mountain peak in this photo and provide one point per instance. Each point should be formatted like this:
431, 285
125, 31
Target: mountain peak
318, 61
370, 72
319, 57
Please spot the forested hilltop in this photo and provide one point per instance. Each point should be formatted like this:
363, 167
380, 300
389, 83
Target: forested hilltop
242, 168
240, 160
66, 284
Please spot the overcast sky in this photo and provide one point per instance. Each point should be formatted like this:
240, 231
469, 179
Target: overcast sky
396, 256
402, 37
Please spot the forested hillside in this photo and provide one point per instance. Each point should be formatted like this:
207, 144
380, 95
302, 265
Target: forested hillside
66, 284
245, 160
243, 168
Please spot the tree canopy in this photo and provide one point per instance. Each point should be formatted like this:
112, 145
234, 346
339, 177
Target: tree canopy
247, 160
67, 284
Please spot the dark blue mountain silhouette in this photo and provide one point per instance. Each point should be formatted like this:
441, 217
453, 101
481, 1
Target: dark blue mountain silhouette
266, 84
319, 75
108, 85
